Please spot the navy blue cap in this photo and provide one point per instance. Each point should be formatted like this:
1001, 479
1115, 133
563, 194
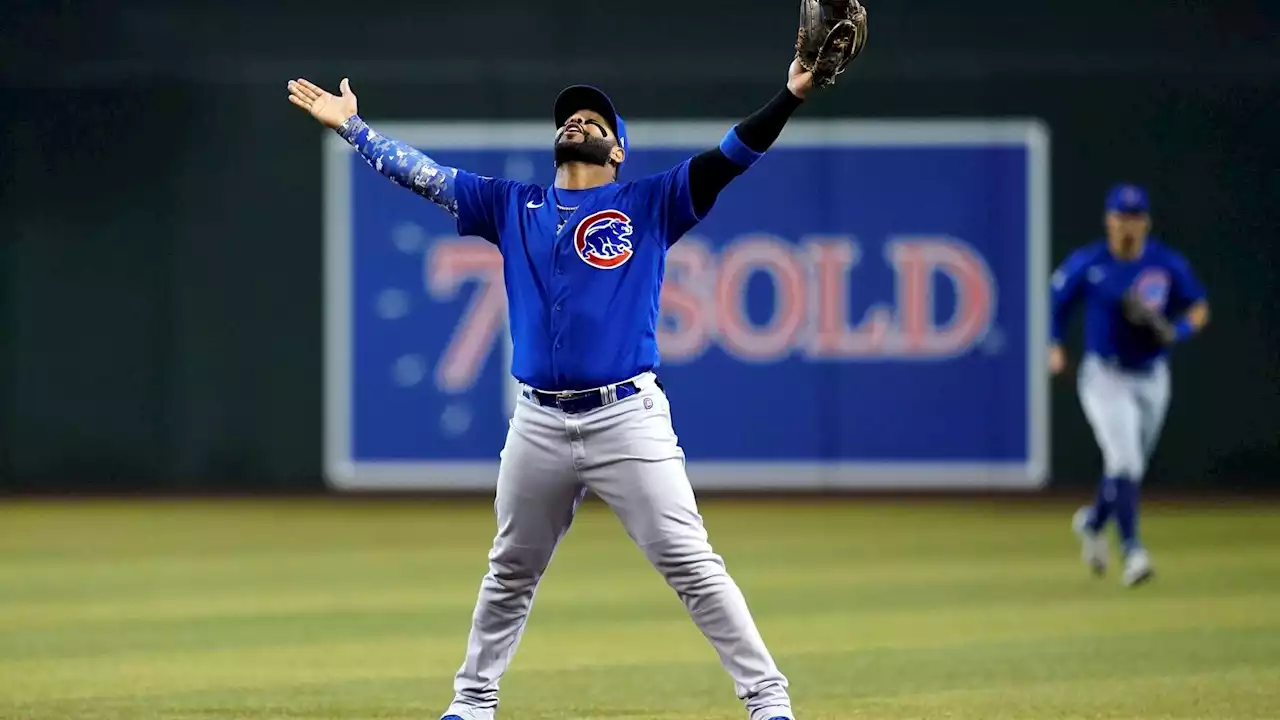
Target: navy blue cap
1127, 198
587, 97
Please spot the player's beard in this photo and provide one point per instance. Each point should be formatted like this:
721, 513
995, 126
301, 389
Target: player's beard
592, 150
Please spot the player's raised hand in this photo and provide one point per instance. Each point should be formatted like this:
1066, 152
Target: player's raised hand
331, 110
799, 80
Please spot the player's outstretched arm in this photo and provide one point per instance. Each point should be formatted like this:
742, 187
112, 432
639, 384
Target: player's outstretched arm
712, 171
401, 163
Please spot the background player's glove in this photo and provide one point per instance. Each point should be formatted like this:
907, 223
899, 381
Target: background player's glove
1162, 331
832, 33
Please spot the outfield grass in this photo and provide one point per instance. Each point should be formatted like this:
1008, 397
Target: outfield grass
317, 609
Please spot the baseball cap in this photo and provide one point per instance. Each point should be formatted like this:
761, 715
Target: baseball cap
1127, 198
588, 97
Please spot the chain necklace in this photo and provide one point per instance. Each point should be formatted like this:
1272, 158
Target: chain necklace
562, 210
563, 217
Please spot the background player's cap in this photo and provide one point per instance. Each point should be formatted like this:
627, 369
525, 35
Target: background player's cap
1127, 198
587, 97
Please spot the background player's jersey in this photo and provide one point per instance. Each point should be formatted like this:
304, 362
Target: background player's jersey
582, 299
1162, 277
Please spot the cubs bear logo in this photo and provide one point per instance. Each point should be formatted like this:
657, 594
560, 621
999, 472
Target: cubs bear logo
1152, 288
603, 239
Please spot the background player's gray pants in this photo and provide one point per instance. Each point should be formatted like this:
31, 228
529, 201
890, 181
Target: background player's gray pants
627, 454
1126, 410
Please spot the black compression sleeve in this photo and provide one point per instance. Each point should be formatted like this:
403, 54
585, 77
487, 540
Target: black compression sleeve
762, 127
711, 171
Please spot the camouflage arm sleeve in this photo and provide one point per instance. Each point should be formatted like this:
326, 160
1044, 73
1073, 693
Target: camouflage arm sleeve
402, 164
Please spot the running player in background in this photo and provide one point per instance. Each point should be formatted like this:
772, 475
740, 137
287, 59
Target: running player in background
1140, 298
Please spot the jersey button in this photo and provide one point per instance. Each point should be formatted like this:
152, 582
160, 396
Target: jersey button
559, 307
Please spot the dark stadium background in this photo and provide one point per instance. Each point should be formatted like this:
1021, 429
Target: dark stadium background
160, 303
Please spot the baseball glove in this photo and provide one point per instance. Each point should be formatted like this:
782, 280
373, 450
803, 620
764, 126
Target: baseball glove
832, 33
1155, 323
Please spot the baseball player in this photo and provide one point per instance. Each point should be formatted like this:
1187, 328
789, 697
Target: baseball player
583, 263
1140, 298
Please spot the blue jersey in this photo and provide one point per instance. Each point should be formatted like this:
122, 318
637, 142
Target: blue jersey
1092, 275
582, 283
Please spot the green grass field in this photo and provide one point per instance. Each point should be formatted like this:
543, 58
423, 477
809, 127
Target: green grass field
875, 609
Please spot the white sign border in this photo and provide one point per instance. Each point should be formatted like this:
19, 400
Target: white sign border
343, 473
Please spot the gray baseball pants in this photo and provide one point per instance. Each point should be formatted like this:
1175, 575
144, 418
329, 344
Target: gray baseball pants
628, 455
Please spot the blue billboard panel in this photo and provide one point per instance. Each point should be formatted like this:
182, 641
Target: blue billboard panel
864, 308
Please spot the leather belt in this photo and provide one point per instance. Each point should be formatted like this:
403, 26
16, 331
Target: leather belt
580, 401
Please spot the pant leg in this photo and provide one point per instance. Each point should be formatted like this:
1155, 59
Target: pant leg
630, 458
1153, 394
1111, 407
537, 496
